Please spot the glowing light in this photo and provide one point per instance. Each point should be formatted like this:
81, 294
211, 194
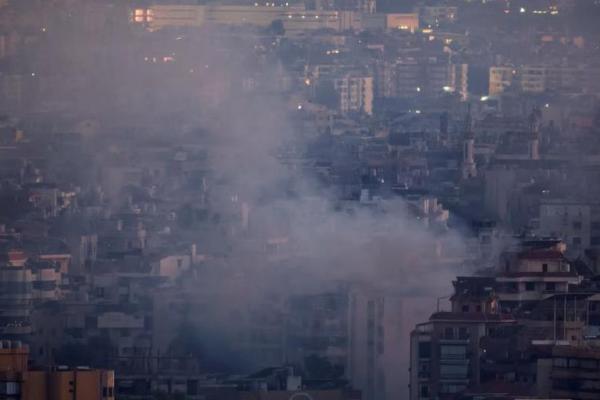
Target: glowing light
447, 89
299, 106
547, 105
307, 82
522, 10
418, 89
484, 98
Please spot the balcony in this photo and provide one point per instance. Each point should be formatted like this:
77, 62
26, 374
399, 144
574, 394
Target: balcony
16, 330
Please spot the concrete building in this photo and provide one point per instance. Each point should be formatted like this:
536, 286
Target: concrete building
434, 15
356, 330
445, 352
355, 93
430, 76
17, 382
535, 272
569, 373
541, 78
577, 223
403, 22
16, 296
469, 168
296, 19
501, 78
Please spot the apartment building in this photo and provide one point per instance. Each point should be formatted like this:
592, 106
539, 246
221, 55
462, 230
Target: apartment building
355, 93
533, 273
445, 352
355, 329
17, 382
541, 78
577, 223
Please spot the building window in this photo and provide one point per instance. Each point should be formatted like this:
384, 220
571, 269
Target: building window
530, 286
577, 241
451, 371
465, 308
577, 225
424, 349
544, 267
424, 391
453, 352
551, 286
560, 362
192, 387
448, 333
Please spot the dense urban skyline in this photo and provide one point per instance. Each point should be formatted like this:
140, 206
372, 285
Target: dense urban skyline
317, 199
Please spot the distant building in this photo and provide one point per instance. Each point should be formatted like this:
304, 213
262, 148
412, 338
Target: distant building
352, 328
434, 15
429, 76
445, 352
569, 373
355, 93
20, 383
296, 19
500, 79
403, 22
541, 78
575, 222
534, 272
16, 298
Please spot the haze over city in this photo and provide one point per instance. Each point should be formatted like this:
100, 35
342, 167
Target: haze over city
302, 199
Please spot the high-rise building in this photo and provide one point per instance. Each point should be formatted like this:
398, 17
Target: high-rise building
469, 168
355, 329
16, 296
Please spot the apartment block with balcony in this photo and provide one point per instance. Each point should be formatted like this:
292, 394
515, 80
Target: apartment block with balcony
534, 272
570, 372
445, 352
16, 297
